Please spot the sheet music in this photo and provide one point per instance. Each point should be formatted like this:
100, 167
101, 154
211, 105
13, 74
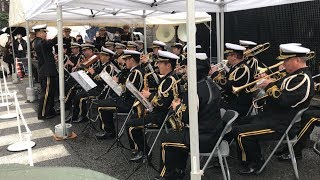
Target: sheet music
84, 80
139, 96
108, 79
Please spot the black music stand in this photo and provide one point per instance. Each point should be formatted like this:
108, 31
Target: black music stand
146, 158
117, 144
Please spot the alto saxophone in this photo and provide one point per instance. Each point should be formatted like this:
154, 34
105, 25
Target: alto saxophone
175, 119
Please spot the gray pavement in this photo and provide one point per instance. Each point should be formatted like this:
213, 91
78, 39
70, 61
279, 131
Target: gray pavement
82, 151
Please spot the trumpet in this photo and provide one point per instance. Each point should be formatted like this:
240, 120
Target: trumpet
278, 75
221, 65
256, 50
275, 94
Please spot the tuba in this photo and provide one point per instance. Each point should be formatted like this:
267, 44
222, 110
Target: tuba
165, 33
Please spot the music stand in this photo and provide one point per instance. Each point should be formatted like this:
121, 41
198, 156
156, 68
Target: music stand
149, 108
118, 90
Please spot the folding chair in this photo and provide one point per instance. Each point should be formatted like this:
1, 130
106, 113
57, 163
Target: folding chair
221, 149
315, 147
289, 142
152, 130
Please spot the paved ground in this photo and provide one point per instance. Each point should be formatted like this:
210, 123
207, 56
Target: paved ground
82, 151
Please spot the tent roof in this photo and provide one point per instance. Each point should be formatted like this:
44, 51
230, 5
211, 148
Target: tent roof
111, 12
75, 16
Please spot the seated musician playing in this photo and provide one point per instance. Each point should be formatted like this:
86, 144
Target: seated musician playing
106, 107
285, 99
175, 145
79, 110
161, 100
238, 75
252, 61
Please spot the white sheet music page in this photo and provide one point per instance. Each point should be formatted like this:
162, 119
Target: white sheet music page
108, 79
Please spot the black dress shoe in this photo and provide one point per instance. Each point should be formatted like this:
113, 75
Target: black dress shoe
105, 135
49, 116
80, 120
287, 156
137, 157
134, 152
251, 168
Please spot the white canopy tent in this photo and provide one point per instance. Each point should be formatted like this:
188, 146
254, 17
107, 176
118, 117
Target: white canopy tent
169, 6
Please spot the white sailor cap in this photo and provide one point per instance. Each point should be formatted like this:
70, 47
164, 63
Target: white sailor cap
234, 48
132, 44
165, 56
106, 51
288, 51
87, 46
75, 45
120, 45
40, 27
247, 43
177, 45
109, 43
201, 56
294, 44
185, 48
156, 44
130, 53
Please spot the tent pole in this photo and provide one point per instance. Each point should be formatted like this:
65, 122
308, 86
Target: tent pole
192, 92
15, 78
145, 32
222, 29
29, 90
218, 37
61, 69
210, 42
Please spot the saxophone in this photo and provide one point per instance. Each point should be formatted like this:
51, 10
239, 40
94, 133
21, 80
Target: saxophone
175, 119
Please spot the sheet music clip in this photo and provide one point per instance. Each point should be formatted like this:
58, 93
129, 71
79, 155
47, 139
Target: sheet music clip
84, 80
111, 83
139, 96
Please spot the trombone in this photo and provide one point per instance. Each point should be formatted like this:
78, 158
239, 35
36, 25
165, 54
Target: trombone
256, 50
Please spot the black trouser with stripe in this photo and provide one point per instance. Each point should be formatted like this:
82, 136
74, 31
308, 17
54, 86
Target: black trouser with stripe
309, 120
135, 129
174, 155
79, 102
107, 107
248, 137
46, 102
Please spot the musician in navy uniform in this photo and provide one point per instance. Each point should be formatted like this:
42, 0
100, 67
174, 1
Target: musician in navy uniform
161, 101
47, 72
175, 146
67, 39
252, 61
176, 49
93, 67
286, 97
238, 75
123, 103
